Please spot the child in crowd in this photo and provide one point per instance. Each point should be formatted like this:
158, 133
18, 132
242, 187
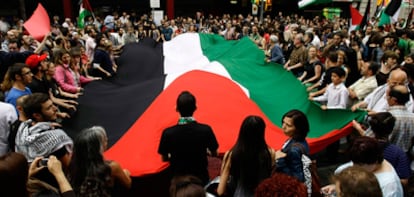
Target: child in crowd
336, 95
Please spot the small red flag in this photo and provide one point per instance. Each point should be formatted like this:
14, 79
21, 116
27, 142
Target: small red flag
356, 16
38, 24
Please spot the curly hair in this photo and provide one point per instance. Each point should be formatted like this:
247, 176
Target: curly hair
281, 185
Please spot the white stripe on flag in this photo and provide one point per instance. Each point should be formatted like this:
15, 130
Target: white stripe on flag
304, 3
183, 54
396, 15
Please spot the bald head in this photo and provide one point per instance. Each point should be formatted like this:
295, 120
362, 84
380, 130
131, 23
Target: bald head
397, 77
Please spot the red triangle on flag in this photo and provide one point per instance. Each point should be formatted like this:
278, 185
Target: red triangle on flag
87, 5
356, 16
38, 24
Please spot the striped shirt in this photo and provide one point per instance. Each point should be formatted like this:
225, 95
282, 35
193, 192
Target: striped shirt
404, 127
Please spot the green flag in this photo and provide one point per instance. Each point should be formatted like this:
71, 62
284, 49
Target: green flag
84, 11
304, 3
384, 19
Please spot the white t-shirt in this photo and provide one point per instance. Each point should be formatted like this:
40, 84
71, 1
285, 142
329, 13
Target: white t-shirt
389, 181
7, 116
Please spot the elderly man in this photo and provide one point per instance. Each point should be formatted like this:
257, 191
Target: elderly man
298, 56
403, 130
276, 53
377, 100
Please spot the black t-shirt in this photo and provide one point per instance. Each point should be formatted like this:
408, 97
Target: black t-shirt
38, 86
310, 70
52, 85
187, 144
382, 77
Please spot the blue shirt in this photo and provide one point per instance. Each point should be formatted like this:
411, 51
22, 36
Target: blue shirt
292, 163
13, 94
277, 55
167, 32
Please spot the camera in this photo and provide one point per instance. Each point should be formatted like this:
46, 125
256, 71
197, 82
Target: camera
43, 162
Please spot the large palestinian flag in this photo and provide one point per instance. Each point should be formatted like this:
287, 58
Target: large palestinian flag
230, 81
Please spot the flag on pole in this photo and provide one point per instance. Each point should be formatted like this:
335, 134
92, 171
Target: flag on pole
365, 18
391, 12
38, 24
356, 18
393, 7
84, 11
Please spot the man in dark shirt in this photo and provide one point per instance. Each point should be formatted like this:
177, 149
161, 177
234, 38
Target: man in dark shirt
38, 66
187, 144
166, 32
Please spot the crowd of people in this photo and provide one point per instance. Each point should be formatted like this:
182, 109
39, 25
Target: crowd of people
368, 69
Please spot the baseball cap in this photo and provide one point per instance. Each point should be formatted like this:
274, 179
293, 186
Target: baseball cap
33, 60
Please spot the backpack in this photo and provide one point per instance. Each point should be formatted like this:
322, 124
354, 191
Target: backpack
310, 174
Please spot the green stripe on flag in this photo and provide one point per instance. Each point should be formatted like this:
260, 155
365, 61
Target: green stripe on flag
304, 3
385, 19
271, 87
83, 13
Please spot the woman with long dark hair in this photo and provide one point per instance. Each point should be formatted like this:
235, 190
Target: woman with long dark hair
90, 174
249, 161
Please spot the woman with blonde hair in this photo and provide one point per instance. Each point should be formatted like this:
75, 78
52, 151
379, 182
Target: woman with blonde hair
313, 67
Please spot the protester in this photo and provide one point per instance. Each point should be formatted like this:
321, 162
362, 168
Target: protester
187, 144
276, 54
336, 94
14, 174
403, 132
8, 116
16, 81
366, 153
377, 101
333, 36
102, 65
185, 186
313, 68
249, 161
356, 181
365, 85
382, 125
38, 137
295, 125
89, 173
280, 185
64, 74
